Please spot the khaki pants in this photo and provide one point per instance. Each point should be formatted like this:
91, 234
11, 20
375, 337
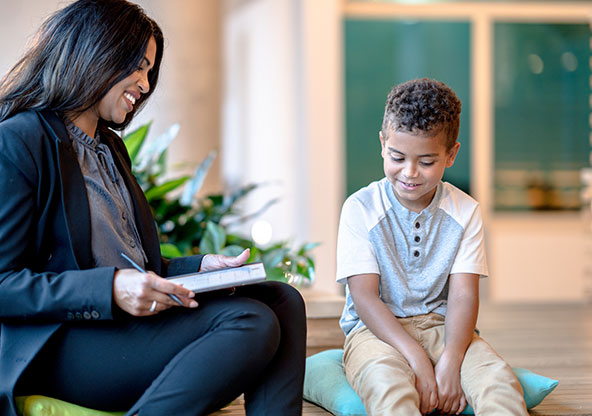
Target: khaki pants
386, 383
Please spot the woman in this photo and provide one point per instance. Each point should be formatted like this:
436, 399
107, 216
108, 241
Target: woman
77, 323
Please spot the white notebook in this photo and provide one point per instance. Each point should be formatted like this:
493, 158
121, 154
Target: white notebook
221, 278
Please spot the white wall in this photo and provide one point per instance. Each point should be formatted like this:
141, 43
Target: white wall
282, 117
19, 21
189, 87
540, 257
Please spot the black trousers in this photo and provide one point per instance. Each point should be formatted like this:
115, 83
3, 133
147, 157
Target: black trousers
181, 361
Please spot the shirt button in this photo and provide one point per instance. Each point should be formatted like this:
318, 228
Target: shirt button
86, 315
417, 225
95, 314
416, 253
417, 239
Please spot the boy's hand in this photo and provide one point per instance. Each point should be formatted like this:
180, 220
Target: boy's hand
425, 382
364, 289
451, 399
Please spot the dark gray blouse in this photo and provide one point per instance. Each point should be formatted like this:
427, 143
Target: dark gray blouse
113, 226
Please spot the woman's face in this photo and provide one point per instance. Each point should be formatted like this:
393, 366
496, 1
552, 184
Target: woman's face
122, 97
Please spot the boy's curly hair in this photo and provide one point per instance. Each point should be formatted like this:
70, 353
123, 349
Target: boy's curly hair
423, 106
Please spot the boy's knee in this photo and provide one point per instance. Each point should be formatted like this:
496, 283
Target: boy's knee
385, 373
482, 359
387, 387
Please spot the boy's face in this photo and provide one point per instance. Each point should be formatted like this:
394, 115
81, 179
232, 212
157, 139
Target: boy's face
414, 164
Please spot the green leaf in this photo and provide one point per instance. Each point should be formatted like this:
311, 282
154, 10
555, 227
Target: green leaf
197, 179
170, 251
275, 273
134, 140
213, 239
307, 247
232, 251
236, 240
255, 255
274, 257
161, 190
305, 270
238, 194
154, 151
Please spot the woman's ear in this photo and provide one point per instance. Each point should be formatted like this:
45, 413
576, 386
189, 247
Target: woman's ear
452, 154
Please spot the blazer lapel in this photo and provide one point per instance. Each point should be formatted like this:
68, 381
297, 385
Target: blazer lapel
74, 196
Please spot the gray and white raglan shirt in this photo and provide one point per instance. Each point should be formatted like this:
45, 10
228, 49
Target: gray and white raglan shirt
413, 253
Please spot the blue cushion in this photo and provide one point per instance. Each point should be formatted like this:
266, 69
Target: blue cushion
326, 386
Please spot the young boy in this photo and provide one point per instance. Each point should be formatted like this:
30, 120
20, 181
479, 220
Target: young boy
411, 251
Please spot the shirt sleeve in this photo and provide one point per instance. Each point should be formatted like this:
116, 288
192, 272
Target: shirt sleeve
355, 254
471, 256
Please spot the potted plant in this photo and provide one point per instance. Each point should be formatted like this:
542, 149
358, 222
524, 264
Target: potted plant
188, 224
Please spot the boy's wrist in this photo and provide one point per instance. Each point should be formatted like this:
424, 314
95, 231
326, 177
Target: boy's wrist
416, 356
454, 356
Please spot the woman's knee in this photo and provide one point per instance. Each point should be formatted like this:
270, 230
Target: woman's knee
292, 298
259, 324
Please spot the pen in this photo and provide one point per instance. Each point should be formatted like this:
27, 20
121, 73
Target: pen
138, 268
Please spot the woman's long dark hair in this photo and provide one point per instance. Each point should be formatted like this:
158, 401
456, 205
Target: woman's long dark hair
79, 53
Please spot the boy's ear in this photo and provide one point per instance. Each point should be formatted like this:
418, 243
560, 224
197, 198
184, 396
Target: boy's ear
381, 142
452, 154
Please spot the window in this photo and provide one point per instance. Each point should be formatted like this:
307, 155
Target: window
382, 53
541, 90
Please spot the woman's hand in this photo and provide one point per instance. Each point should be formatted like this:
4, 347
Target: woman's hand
135, 292
218, 261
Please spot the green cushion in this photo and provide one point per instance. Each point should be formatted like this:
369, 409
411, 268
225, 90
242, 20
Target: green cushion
326, 386
43, 406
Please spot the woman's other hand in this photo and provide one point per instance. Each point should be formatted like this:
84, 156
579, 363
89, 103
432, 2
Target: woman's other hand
218, 261
143, 294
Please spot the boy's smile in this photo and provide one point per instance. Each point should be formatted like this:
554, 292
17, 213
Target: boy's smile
414, 164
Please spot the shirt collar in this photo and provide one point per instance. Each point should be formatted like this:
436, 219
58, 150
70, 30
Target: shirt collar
77, 134
407, 213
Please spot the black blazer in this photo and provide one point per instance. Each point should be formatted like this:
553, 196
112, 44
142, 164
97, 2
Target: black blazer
46, 265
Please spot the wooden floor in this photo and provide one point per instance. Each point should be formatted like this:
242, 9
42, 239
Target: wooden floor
551, 340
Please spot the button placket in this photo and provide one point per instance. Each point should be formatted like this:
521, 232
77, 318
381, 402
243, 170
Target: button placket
416, 248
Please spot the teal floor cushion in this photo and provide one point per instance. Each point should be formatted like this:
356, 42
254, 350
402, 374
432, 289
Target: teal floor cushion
326, 386
44, 406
